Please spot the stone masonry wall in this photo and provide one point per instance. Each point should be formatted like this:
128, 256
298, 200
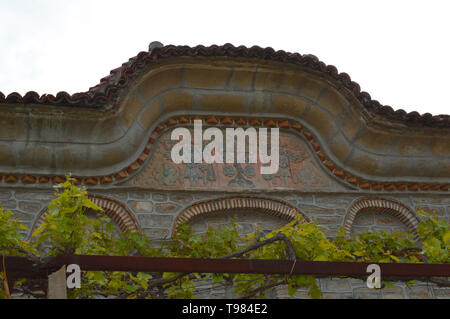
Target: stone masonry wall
156, 212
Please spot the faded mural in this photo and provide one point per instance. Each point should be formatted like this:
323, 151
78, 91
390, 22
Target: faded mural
297, 171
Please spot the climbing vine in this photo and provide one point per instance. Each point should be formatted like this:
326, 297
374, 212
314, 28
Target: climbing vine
67, 230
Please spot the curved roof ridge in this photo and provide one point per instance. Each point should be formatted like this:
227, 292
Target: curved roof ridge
106, 93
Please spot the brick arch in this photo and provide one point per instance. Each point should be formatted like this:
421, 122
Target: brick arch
115, 210
272, 207
388, 206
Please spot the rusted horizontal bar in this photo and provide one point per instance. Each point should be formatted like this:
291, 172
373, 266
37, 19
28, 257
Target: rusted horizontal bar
19, 265
22, 266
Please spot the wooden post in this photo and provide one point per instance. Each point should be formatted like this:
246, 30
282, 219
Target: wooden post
5, 280
57, 284
6, 288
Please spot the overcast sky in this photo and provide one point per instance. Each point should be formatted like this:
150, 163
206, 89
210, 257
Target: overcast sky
398, 51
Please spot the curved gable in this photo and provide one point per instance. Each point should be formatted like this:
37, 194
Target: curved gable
110, 141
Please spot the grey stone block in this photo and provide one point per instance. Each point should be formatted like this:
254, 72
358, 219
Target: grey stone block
35, 195
141, 207
166, 208
5, 195
150, 221
31, 207
159, 197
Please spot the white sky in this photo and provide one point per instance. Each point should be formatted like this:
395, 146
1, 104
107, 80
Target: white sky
398, 51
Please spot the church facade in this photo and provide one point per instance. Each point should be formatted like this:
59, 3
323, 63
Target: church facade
345, 160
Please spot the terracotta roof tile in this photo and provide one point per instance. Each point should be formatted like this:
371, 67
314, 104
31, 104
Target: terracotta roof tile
106, 93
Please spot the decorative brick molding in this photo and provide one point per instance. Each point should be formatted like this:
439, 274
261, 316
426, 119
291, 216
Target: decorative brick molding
272, 207
285, 124
115, 210
382, 205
